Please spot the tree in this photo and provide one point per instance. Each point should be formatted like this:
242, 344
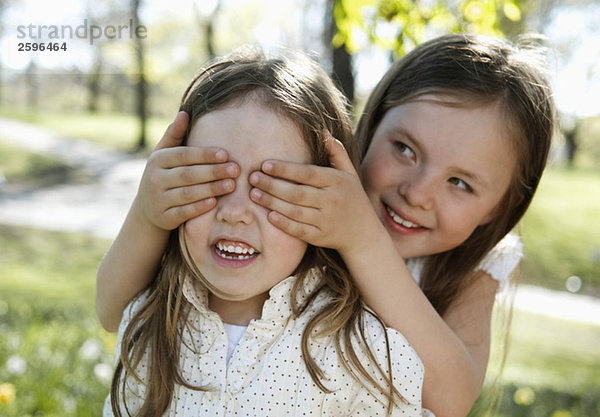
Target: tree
206, 15
141, 85
398, 25
342, 70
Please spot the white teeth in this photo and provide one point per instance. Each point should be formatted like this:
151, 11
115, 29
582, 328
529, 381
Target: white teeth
234, 252
399, 219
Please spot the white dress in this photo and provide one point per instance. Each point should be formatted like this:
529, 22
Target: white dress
500, 262
266, 375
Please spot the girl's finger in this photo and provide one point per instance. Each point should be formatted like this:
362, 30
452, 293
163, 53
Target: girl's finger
175, 132
189, 194
188, 155
299, 230
299, 194
198, 174
338, 157
302, 214
175, 216
307, 174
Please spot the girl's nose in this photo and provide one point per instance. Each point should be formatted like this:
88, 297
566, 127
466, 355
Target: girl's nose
418, 190
236, 207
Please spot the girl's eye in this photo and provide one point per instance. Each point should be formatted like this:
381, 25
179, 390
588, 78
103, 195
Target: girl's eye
460, 184
404, 150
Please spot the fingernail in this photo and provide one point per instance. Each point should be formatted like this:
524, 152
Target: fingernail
221, 155
231, 169
253, 178
267, 166
228, 185
256, 193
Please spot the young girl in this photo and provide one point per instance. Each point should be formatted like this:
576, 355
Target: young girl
242, 318
454, 140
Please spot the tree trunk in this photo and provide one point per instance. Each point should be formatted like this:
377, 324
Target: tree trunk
341, 60
94, 86
141, 86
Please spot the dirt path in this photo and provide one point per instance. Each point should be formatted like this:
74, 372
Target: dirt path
98, 207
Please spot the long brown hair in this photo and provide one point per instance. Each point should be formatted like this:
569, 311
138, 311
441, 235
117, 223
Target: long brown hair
474, 70
301, 91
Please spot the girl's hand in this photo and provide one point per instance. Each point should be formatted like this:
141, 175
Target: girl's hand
321, 205
181, 182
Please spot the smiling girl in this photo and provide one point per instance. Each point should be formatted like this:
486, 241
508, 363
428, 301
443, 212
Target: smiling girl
242, 318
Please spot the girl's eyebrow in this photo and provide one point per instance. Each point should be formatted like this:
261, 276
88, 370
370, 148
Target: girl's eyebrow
471, 176
402, 131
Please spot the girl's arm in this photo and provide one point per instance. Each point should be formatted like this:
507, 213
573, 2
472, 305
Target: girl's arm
178, 183
328, 207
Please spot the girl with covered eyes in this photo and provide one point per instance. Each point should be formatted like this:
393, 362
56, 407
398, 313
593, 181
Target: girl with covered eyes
242, 318
453, 142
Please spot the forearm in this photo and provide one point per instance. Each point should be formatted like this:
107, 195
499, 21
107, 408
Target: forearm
128, 266
453, 378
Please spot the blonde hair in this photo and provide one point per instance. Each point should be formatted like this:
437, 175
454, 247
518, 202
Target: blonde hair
301, 91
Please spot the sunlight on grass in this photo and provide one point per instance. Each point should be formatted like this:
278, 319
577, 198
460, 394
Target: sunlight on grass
555, 354
561, 231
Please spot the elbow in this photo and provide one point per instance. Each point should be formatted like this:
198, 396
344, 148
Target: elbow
457, 400
108, 323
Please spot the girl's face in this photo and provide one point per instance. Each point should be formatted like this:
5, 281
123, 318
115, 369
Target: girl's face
234, 246
434, 172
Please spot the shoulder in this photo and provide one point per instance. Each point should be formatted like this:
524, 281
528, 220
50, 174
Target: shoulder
502, 260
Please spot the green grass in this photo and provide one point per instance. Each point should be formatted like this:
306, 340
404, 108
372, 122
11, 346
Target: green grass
552, 369
561, 231
117, 131
52, 348
543, 349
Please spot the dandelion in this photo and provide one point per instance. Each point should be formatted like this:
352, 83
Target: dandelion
103, 372
69, 404
16, 365
524, 396
91, 349
7, 393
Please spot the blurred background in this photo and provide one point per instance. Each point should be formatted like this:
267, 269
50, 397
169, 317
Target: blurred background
88, 87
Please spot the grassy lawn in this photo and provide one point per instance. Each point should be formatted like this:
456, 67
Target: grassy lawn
552, 369
118, 131
55, 360
561, 231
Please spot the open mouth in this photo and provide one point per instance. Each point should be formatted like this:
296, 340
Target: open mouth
401, 221
235, 251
